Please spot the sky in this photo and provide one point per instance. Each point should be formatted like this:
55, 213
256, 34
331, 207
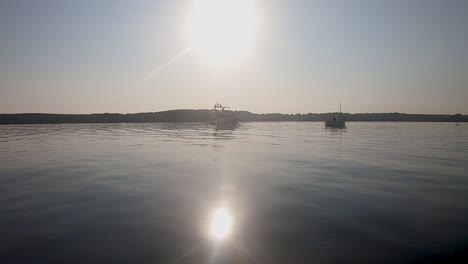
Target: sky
88, 56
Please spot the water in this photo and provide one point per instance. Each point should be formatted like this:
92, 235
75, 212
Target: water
294, 193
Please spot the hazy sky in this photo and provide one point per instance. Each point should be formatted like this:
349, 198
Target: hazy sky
91, 56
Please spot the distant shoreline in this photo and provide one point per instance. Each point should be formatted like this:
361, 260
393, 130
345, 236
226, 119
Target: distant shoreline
204, 115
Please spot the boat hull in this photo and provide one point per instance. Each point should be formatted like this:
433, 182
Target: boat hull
227, 123
335, 124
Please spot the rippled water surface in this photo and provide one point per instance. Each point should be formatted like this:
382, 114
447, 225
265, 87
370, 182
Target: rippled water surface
288, 193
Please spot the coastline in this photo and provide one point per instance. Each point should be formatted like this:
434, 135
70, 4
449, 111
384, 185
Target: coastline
204, 115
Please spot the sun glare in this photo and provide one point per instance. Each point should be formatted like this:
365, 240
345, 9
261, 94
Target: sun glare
221, 223
222, 31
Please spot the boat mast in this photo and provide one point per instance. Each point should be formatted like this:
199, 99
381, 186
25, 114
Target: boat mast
340, 111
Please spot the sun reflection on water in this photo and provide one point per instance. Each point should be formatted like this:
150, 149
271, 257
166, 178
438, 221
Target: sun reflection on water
221, 224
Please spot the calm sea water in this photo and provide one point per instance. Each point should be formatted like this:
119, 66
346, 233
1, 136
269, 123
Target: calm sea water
294, 193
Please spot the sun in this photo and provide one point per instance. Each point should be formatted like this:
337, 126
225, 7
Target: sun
222, 31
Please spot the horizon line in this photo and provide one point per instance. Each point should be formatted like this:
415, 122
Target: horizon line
186, 109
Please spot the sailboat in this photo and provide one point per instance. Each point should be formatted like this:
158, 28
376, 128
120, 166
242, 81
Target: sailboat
336, 121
